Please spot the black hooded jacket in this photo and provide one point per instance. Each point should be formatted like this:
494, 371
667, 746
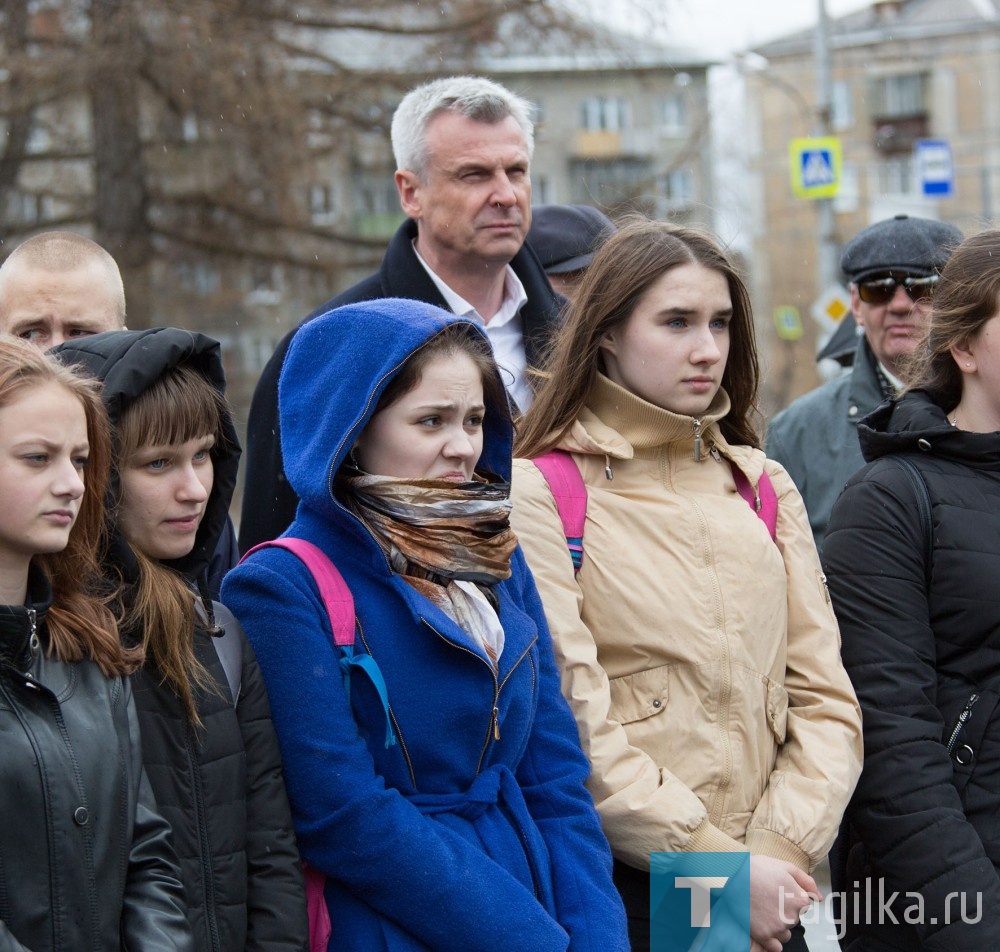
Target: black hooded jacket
220, 785
921, 642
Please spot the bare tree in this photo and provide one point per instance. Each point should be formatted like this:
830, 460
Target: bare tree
190, 130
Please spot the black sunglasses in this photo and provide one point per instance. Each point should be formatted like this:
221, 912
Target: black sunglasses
884, 289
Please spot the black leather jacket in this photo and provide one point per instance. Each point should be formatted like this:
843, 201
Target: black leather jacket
85, 858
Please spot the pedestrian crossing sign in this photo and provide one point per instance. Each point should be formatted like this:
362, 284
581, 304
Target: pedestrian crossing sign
815, 166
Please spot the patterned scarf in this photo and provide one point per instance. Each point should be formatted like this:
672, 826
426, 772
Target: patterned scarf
440, 536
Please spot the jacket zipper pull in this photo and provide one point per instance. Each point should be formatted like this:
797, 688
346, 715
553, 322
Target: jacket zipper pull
608, 474
496, 724
34, 645
713, 451
697, 441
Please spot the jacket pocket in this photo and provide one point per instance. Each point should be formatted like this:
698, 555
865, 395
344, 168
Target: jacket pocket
777, 710
634, 697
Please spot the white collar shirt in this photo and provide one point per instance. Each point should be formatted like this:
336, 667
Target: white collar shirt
504, 329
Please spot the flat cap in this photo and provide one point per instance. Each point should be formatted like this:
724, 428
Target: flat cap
919, 246
565, 237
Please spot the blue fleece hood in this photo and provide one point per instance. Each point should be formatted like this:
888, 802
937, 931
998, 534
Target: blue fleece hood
336, 369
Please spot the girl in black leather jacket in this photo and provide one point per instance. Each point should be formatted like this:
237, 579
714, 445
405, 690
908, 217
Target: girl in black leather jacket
85, 859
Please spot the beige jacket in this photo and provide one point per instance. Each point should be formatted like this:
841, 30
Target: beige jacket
701, 659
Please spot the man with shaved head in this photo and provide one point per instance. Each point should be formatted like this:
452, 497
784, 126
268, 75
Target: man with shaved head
59, 285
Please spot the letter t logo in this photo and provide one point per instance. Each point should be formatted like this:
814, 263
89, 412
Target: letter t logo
701, 896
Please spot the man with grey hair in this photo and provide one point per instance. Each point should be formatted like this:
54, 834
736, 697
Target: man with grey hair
59, 285
892, 267
463, 147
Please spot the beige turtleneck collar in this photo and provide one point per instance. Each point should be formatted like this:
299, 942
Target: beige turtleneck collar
645, 425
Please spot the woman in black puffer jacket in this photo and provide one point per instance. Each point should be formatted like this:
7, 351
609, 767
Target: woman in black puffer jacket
208, 744
913, 560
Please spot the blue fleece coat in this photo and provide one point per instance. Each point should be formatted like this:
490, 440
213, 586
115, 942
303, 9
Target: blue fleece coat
474, 831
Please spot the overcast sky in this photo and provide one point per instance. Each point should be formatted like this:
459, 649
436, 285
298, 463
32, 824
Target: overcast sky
717, 27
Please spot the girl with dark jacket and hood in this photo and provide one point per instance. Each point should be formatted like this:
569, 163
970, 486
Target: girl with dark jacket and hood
453, 817
913, 557
208, 744
85, 858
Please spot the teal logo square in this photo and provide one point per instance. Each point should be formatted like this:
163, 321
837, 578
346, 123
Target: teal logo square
699, 900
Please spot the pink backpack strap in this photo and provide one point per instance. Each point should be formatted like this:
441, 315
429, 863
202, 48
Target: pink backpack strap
570, 493
333, 590
339, 605
764, 501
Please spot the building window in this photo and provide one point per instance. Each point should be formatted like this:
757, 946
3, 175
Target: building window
201, 278
610, 183
901, 95
900, 113
189, 128
896, 176
841, 105
673, 115
265, 283
322, 204
678, 188
28, 208
605, 114
542, 192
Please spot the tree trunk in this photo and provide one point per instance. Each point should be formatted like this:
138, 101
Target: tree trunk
121, 200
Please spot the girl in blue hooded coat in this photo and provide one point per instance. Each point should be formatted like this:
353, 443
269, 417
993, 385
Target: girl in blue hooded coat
454, 816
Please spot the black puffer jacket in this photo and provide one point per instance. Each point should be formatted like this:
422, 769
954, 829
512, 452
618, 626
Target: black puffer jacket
922, 646
85, 859
221, 787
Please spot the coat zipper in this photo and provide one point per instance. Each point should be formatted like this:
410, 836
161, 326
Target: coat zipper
960, 723
697, 439
201, 819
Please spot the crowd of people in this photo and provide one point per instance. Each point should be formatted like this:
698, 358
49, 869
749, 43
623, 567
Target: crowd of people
522, 601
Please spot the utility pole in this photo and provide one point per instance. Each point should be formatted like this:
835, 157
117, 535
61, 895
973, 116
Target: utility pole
827, 266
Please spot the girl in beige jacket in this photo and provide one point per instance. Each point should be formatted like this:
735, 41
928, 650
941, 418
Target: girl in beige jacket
700, 656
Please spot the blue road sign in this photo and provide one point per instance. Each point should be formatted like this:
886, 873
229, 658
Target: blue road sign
815, 166
934, 167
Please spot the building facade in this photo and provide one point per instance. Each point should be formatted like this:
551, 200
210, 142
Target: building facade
901, 71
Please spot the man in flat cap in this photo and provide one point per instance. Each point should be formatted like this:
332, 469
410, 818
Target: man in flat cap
892, 267
565, 238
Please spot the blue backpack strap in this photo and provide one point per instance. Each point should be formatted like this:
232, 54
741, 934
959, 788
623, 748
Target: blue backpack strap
339, 605
570, 493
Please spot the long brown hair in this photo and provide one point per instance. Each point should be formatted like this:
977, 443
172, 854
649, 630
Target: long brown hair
79, 623
180, 405
620, 274
965, 298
